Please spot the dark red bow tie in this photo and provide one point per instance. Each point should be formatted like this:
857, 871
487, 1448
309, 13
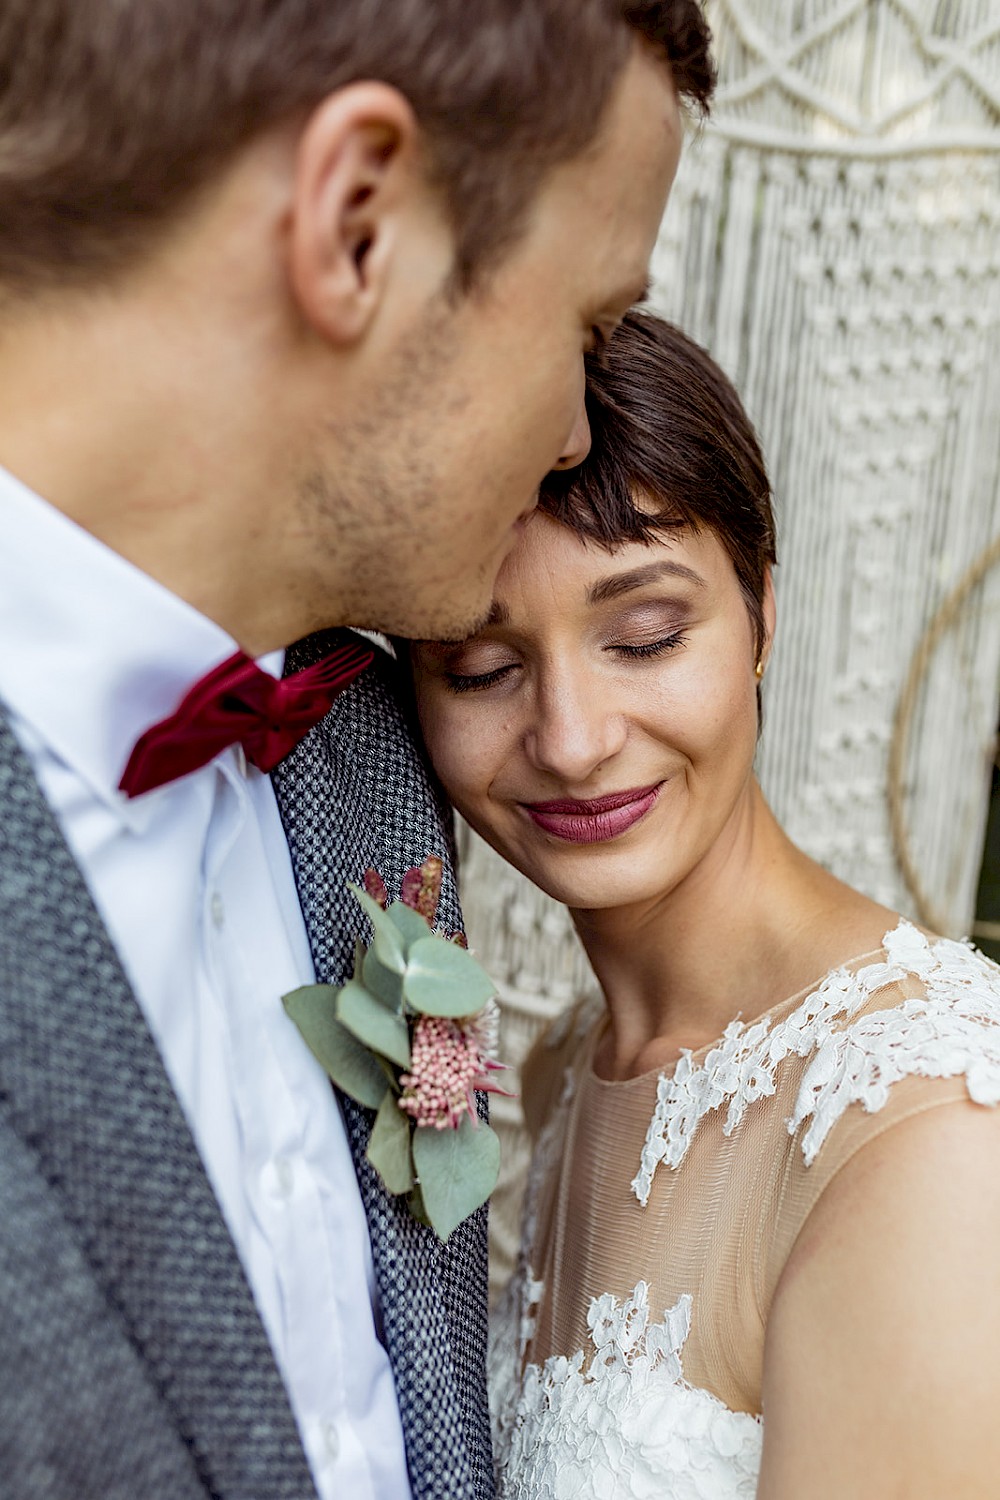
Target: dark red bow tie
237, 703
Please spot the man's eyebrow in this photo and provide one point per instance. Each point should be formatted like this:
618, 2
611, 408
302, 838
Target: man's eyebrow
632, 293
637, 578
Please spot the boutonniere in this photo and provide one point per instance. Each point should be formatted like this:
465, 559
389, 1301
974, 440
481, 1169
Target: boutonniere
412, 1035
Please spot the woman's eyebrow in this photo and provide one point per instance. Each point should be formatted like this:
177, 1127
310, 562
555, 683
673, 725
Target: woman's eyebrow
499, 615
637, 578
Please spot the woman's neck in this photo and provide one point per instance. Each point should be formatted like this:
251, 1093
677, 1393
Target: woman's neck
752, 924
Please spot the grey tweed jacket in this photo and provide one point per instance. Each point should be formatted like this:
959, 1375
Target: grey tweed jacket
132, 1358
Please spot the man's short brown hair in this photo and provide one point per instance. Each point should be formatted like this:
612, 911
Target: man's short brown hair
114, 112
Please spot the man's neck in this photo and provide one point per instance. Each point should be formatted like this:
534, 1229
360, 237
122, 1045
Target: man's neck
142, 427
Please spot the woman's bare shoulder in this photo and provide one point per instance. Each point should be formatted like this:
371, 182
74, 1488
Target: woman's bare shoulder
886, 1321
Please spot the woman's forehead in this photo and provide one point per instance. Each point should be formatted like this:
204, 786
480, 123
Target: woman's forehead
550, 557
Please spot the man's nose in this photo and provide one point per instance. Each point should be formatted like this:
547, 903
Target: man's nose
578, 443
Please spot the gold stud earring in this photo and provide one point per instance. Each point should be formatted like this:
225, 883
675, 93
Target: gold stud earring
758, 670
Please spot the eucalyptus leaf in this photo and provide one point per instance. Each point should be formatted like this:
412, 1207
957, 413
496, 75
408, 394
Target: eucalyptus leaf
389, 1147
373, 1024
411, 925
385, 984
359, 957
415, 1203
443, 979
457, 1169
386, 940
349, 1064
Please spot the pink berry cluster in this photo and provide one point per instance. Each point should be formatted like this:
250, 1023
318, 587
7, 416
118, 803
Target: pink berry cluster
447, 1064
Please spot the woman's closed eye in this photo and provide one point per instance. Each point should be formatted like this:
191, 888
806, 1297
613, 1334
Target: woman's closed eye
472, 682
645, 649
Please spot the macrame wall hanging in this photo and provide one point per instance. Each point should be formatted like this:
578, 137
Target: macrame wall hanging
834, 239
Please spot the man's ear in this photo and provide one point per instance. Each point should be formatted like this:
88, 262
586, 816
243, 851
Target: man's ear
357, 179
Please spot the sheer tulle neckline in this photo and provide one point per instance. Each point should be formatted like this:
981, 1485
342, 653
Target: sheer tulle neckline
698, 1054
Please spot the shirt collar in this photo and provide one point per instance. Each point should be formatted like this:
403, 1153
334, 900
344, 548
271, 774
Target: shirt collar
92, 650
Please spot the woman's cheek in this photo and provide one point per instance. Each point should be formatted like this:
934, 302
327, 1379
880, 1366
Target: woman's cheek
456, 743
437, 742
710, 715
446, 762
734, 739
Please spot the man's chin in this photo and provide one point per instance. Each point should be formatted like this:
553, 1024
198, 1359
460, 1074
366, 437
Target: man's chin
429, 608
452, 623
460, 630
452, 620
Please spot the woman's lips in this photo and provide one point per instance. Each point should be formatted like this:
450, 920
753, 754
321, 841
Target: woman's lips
593, 821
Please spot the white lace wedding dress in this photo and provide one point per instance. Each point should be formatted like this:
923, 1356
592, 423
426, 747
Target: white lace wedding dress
627, 1353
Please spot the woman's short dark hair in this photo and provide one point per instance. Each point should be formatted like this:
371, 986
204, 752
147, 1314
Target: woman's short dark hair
669, 432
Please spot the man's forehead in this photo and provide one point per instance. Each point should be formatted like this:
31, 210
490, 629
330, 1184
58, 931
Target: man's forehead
641, 128
644, 111
634, 159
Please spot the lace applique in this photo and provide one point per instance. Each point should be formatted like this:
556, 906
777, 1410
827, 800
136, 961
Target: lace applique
628, 1425
624, 1338
954, 1029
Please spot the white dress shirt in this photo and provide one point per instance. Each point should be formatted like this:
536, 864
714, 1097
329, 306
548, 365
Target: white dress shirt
195, 886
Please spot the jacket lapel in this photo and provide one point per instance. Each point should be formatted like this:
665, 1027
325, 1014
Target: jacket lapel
355, 793
84, 1086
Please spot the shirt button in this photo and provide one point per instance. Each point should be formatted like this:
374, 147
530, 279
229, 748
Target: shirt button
218, 909
331, 1439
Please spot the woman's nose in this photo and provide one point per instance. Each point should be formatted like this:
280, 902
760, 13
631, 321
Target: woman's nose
575, 730
578, 443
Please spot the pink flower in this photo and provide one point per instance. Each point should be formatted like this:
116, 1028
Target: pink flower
375, 886
421, 888
421, 891
449, 1061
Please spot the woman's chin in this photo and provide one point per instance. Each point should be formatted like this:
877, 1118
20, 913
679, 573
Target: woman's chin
591, 877
591, 896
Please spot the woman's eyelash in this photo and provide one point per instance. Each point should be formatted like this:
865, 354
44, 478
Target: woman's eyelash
474, 682
462, 682
650, 648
